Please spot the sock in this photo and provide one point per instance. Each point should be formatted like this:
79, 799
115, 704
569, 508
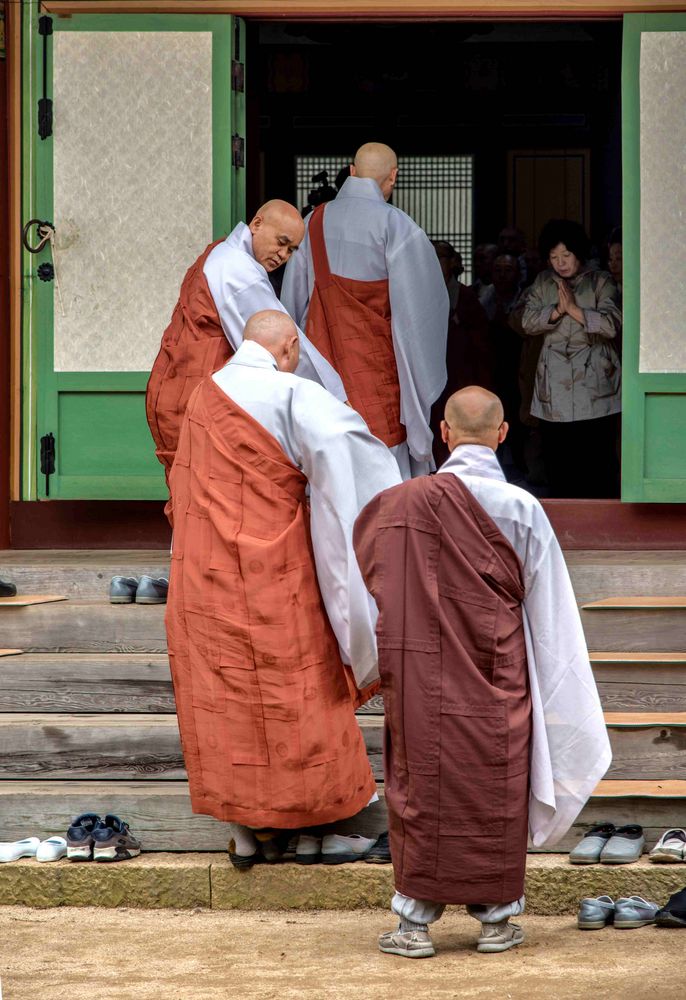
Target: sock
407, 926
244, 840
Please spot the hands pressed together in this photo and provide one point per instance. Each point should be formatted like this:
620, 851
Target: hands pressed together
566, 304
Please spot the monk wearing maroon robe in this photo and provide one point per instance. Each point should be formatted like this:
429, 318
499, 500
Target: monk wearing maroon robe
476, 615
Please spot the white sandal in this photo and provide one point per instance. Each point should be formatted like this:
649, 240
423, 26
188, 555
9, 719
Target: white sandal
19, 849
52, 849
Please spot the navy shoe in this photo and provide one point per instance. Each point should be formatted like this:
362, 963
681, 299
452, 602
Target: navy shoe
123, 589
152, 590
80, 837
380, 853
7, 589
673, 913
113, 841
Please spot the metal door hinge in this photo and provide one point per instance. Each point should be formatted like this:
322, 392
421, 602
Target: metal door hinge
237, 150
237, 77
45, 104
47, 459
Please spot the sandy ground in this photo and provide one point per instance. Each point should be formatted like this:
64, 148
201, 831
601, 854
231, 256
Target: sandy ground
209, 955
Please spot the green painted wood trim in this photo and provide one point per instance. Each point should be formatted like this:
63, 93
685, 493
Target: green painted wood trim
636, 385
239, 127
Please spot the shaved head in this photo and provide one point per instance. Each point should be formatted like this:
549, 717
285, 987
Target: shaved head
378, 161
277, 230
474, 416
277, 333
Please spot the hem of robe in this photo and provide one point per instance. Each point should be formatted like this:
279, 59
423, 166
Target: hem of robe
278, 819
496, 893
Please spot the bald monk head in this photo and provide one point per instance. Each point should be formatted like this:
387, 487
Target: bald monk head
277, 231
278, 334
379, 162
474, 416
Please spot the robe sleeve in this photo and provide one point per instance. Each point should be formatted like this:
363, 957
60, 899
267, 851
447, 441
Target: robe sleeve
605, 320
571, 751
346, 467
535, 319
420, 311
295, 291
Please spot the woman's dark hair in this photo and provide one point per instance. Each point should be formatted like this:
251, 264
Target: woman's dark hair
572, 234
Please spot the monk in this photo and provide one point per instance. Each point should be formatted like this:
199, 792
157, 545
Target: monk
493, 721
270, 627
368, 289
227, 284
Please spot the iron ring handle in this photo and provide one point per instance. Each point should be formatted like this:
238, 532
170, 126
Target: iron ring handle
44, 239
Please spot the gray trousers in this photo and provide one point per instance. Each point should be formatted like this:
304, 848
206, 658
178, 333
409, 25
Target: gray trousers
423, 911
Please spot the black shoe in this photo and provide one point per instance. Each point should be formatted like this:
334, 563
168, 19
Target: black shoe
80, 837
113, 841
673, 913
380, 853
7, 589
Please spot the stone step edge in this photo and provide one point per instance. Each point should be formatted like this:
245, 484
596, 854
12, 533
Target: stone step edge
186, 881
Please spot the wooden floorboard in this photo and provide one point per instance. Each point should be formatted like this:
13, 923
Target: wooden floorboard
642, 603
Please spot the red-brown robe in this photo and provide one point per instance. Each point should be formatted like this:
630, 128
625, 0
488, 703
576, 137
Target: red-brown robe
349, 322
265, 705
193, 345
455, 686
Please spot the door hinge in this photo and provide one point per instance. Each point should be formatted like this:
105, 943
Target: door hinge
237, 77
45, 104
47, 459
237, 150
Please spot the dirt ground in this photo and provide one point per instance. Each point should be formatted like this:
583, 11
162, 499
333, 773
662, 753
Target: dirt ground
130, 954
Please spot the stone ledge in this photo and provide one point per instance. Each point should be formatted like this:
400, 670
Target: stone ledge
184, 881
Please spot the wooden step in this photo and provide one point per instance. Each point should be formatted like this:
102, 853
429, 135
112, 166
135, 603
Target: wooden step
640, 603
641, 682
621, 659
78, 573
634, 628
160, 813
85, 627
597, 573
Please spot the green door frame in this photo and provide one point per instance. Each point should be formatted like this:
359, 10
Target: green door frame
41, 384
644, 392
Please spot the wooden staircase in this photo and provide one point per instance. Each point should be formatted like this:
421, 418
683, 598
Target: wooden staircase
87, 714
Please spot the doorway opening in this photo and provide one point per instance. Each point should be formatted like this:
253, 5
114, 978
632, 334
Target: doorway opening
499, 128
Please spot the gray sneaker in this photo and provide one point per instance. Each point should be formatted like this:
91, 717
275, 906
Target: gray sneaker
589, 848
407, 944
670, 848
634, 911
123, 589
113, 841
152, 590
595, 913
499, 937
624, 846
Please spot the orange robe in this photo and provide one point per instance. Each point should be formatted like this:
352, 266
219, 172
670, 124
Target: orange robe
349, 322
264, 702
193, 345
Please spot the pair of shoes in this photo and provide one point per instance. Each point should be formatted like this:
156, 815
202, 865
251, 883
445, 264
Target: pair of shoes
493, 939
380, 854
670, 848
673, 913
51, 849
146, 590
631, 911
7, 589
333, 849
609, 845
90, 838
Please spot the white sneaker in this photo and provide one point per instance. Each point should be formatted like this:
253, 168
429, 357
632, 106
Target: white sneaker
670, 848
52, 849
499, 937
19, 849
308, 850
337, 850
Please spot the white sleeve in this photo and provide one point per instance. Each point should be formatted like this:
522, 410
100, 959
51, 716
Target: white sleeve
295, 291
346, 467
420, 311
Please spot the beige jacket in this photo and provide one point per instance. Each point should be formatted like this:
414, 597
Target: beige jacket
579, 373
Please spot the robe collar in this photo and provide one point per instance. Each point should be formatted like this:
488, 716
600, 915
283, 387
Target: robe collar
474, 460
253, 355
240, 238
361, 187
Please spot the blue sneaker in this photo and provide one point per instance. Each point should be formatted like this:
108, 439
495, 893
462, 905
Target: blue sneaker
596, 913
634, 911
152, 590
123, 589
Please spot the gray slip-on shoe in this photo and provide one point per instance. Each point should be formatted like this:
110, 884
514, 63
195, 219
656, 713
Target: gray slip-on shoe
7, 589
152, 590
123, 589
634, 911
589, 848
338, 849
595, 913
624, 846
499, 937
670, 848
308, 850
407, 944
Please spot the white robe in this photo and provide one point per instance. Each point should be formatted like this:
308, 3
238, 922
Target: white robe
570, 748
346, 467
240, 287
369, 240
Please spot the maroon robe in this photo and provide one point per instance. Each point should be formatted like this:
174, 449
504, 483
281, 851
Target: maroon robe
454, 680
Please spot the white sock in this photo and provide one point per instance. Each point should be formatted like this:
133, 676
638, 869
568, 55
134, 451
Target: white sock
244, 840
410, 925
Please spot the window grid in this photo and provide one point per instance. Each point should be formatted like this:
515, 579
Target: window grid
436, 191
